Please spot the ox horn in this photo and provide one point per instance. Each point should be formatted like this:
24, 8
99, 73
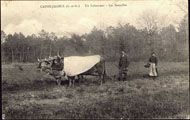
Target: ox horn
38, 60
50, 58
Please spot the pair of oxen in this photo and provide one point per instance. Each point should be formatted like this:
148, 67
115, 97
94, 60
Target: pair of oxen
76, 67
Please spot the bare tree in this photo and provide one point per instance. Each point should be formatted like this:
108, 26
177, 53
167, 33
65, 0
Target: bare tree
183, 6
183, 32
150, 21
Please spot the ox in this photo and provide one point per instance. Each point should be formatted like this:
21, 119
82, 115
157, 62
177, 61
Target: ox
77, 66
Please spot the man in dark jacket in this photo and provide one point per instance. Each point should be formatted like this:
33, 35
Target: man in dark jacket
57, 67
123, 66
57, 64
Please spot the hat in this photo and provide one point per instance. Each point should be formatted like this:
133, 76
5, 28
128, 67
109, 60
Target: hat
153, 53
147, 65
123, 51
58, 58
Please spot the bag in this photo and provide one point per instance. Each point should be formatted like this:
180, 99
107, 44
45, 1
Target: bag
147, 65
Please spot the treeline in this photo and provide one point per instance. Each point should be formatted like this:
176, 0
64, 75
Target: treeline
169, 43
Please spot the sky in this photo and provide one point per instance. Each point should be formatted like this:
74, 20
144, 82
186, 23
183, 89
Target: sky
30, 17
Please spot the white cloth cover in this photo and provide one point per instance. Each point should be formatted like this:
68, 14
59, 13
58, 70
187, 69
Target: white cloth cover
75, 65
152, 70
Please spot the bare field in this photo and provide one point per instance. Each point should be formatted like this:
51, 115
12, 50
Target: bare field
31, 94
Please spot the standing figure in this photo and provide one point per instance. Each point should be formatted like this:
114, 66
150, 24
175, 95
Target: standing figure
153, 66
123, 66
57, 67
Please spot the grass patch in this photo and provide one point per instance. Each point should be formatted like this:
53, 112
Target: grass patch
27, 96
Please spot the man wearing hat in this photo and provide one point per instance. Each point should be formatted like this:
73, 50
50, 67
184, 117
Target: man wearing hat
123, 66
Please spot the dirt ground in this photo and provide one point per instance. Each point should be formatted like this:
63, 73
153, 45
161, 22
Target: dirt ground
32, 94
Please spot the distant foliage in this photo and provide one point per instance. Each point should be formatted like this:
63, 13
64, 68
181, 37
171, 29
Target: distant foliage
169, 43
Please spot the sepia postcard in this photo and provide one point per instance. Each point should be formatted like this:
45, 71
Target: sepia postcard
110, 59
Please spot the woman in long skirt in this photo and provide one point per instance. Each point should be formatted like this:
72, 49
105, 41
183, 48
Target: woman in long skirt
153, 66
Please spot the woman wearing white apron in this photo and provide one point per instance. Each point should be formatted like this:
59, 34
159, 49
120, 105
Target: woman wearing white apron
153, 66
